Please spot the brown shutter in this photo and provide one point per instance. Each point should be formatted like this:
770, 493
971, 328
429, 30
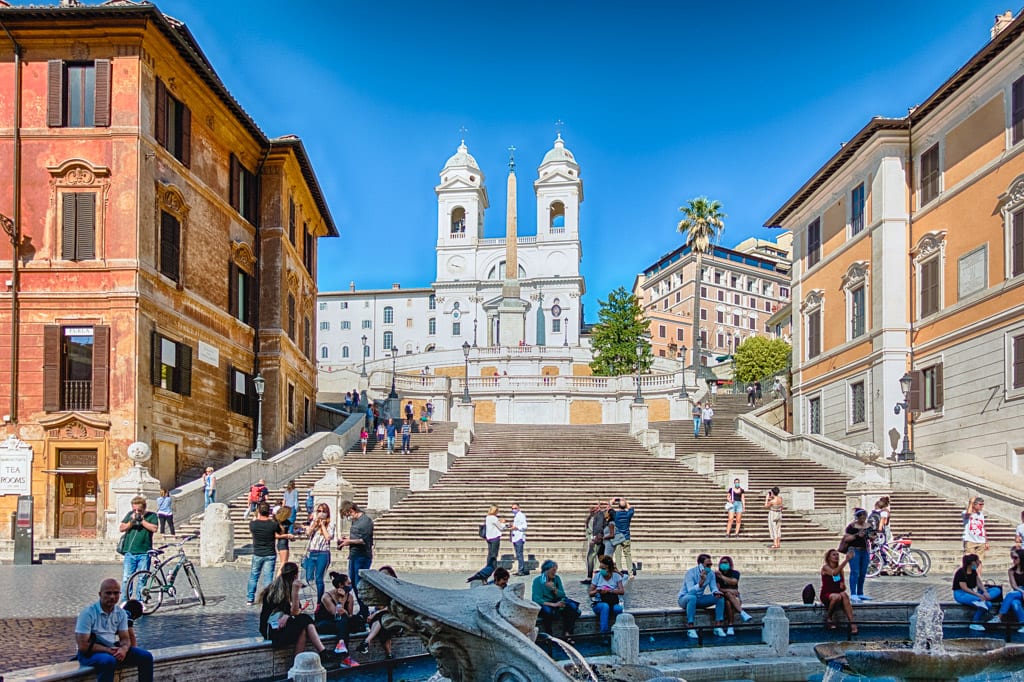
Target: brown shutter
101, 118
85, 234
233, 190
68, 237
160, 130
1018, 362
100, 368
233, 289
55, 94
1018, 110
1017, 244
186, 136
185, 368
51, 368
154, 360
914, 396
938, 386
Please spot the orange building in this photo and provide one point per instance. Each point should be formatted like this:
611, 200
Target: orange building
909, 256
162, 253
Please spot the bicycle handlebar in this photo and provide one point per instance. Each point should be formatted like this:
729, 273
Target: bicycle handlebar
161, 548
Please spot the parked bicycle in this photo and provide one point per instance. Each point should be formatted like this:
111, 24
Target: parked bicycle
150, 586
898, 559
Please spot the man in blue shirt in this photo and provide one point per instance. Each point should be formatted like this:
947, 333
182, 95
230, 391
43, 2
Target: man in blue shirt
103, 640
623, 517
391, 436
700, 589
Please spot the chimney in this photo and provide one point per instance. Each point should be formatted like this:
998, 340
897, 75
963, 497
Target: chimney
396, 286
352, 285
1002, 21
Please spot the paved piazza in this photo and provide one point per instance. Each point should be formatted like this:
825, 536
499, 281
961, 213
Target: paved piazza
41, 603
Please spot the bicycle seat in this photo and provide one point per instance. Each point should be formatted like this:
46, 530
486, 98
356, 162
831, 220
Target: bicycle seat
156, 551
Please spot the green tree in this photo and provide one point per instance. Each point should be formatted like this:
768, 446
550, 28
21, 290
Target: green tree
759, 357
614, 338
702, 222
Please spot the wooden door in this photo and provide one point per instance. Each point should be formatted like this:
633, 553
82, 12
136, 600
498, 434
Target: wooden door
76, 511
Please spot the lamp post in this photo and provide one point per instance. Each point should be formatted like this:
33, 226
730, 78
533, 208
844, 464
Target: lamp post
363, 373
466, 399
906, 383
682, 390
394, 358
259, 383
639, 399
474, 332
565, 328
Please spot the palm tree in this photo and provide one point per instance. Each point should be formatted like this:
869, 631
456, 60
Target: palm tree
703, 221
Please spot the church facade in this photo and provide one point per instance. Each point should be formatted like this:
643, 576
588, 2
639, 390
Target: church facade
462, 304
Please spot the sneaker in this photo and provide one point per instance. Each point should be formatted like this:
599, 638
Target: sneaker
977, 626
865, 597
994, 619
855, 598
585, 582
1021, 630
364, 648
746, 616
980, 604
250, 603
340, 648
729, 631
719, 632
692, 634
350, 662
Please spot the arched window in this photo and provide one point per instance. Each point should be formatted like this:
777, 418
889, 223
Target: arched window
458, 220
389, 340
430, 348
432, 302
389, 315
432, 326
324, 353
557, 215
408, 349
344, 351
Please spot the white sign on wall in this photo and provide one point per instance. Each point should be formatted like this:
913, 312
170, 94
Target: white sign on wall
209, 354
15, 467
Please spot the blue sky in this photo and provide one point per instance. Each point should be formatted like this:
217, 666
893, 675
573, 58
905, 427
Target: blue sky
662, 101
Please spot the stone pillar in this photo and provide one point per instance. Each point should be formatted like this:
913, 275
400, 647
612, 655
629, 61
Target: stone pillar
637, 418
136, 481
626, 639
865, 489
332, 489
464, 414
307, 668
216, 536
775, 630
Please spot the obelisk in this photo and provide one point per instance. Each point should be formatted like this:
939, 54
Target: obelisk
511, 308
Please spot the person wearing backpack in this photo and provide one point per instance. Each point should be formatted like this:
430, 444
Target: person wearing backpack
257, 493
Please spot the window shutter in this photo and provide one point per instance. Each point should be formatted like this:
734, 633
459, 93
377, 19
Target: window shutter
1017, 245
185, 368
85, 233
154, 360
929, 287
938, 386
51, 368
252, 199
68, 237
101, 118
914, 396
233, 289
186, 136
1018, 362
100, 368
233, 191
1018, 110
231, 387
160, 130
55, 93
251, 401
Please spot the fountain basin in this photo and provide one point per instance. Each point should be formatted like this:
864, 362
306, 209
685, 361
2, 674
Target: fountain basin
962, 658
629, 673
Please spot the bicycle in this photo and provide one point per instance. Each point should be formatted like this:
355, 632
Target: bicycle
898, 559
151, 585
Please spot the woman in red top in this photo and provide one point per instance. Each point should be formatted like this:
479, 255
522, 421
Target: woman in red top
833, 589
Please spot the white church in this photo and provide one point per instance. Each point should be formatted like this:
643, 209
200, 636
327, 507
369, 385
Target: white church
469, 298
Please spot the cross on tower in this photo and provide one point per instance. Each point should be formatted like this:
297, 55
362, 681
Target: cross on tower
558, 126
512, 158
462, 133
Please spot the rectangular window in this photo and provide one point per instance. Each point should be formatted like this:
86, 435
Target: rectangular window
752, 322
784, 292
173, 124
679, 297
664, 304
308, 250
307, 337
323, 305
343, 305
858, 314
556, 326
768, 306
290, 317
814, 415
408, 323
857, 209
752, 301
720, 317
78, 230
456, 329
814, 334
930, 303
171, 365
721, 340
432, 326
703, 314
1017, 244
170, 246
244, 194
735, 299
930, 174
814, 242
735, 320
367, 324
662, 331
857, 412
734, 281
928, 384
78, 94
1017, 117
241, 393
679, 334
703, 342
1017, 372
703, 292
721, 295
291, 404
240, 293
346, 325
75, 368
305, 415
325, 326
291, 220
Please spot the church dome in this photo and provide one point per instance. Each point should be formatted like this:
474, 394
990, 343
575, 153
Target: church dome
461, 158
559, 153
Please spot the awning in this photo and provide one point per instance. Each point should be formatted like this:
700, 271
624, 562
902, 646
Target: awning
71, 470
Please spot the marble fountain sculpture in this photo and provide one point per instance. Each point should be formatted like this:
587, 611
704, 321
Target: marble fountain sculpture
484, 634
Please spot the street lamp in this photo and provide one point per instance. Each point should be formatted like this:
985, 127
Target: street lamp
465, 384
906, 382
259, 383
394, 358
639, 399
682, 390
565, 328
363, 374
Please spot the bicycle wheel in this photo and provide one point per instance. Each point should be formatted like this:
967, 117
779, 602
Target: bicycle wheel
916, 563
874, 565
193, 580
148, 587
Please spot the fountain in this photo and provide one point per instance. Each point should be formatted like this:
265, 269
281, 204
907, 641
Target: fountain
928, 657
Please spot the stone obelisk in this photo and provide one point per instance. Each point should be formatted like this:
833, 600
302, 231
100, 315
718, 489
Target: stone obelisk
511, 308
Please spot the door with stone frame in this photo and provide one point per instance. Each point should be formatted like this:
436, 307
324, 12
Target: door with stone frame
76, 505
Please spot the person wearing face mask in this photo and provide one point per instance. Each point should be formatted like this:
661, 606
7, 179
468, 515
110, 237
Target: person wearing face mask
968, 590
700, 588
735, 498
334, 614
1013, 600
321, 534
833, 589
728, 580
606, 589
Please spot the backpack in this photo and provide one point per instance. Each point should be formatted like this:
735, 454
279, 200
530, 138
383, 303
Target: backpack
254, 493
808, 594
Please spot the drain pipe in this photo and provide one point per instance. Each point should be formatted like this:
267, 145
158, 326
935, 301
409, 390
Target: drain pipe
258, 268
13, 228
912, 303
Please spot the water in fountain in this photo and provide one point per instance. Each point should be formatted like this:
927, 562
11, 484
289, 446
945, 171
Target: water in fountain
581, 670
928, 632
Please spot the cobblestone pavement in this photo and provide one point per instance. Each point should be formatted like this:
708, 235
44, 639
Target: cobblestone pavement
40, 603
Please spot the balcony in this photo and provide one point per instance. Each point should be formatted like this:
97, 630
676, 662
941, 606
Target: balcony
77, 395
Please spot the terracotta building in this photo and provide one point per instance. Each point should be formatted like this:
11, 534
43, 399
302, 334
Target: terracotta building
164, 253
909, 261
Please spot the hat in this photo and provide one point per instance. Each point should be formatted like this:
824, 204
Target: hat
858, 511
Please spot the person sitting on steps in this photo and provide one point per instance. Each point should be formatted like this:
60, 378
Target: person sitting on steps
833, 589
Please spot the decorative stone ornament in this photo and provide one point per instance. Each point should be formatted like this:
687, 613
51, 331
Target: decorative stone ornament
333, 454
139, 453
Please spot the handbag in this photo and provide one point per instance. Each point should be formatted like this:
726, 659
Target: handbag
483, 530
728, 506
122, 544
572, 605
618, 539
